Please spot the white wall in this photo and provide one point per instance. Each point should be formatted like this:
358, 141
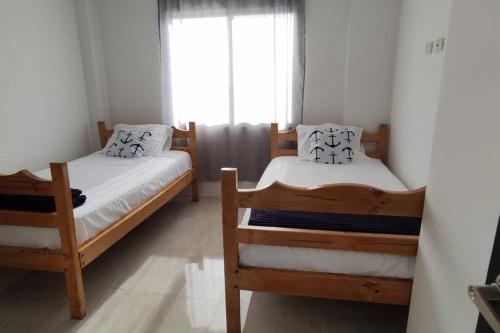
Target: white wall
326, 50
338, 87
89, 29
43, 103
350, 52
132, 56
463, 198
416, 89
372, 41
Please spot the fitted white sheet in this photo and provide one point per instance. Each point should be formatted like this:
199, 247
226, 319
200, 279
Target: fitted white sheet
296, 172
113, 187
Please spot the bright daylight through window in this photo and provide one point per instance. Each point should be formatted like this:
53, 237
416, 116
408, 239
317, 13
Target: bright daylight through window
232, 70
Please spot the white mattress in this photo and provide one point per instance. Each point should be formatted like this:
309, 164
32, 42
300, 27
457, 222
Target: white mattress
293, 171
113, 187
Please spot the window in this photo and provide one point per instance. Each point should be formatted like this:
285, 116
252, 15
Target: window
232, 70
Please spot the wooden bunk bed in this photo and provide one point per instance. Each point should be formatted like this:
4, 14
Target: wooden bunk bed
71, 258
335, 198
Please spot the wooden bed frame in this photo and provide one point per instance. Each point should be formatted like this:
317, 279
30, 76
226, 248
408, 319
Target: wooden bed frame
72, 258
336, 198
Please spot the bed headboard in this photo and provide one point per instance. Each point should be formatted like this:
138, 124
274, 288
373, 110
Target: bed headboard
380, 139
189, 135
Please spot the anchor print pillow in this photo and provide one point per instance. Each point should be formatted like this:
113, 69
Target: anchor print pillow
304, 141
160, 139
129, 144
332, 146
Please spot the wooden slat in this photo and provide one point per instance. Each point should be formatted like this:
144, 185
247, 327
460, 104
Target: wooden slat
100, 243
32, 259
374, 154
370, 137
290, 135
186, 149
336, 198
287, 152
28, 219
329, 240
324, 285
25, 183
180, 134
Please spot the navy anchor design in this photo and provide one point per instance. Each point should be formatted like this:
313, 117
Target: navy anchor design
350, 153
110, 148
315, 133
127, 139
142, 137
332, 154
137, 146
349, 133
120, 150
332, 136
315, 149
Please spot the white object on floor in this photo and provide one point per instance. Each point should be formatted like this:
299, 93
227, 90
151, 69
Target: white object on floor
113, 186
293, 171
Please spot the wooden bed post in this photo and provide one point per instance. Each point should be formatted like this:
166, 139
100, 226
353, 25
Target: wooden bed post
101, 125
69, 246
229, 187
274, 140
194, 161
383, 132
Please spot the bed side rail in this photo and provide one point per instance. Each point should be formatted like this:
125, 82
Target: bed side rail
328, 240
338, 198
380, 139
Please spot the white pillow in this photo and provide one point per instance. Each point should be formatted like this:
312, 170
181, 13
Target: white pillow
160, 139
129, 144
304, 143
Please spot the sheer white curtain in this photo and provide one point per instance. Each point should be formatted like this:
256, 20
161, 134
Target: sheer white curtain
233, 67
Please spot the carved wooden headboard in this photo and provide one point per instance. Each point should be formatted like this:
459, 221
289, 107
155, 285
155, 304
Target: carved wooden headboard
380, 139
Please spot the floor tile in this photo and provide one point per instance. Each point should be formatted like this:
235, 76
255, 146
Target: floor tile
167, 275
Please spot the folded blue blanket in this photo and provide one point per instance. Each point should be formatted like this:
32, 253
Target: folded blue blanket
400, 225
32, 203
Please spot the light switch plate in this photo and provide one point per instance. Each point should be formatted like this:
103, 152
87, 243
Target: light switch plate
438, 45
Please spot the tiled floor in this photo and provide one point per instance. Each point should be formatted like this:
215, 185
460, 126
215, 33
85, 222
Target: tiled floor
167, 276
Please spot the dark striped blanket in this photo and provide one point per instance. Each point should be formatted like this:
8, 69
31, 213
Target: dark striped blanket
336, 222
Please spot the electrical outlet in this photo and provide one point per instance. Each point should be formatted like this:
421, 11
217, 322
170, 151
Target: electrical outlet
428, 48
438, 45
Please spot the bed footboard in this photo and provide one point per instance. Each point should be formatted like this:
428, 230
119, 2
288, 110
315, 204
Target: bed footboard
66, 259
337, 198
